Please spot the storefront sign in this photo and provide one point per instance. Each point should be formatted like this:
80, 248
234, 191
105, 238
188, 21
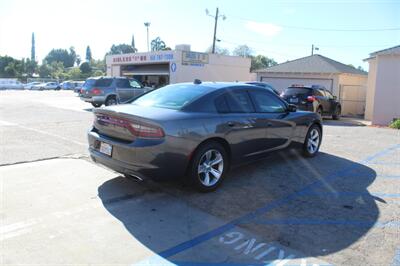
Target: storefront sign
143, 58
173, 67
194, 58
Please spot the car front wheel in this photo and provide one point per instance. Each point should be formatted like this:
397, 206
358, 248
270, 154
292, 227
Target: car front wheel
111, 101
312, 142
96, 105
208, 167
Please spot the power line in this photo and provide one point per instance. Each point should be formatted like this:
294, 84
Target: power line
320, 29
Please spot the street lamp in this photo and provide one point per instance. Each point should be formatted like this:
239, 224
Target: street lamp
147, 25
215, 26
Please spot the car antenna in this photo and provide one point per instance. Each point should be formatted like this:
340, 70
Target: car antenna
197, 81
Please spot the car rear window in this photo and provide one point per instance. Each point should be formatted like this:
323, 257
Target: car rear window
297, 91
89, 83
172, 96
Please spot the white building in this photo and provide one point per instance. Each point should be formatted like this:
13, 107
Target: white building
347, 83
383, 93
180, 65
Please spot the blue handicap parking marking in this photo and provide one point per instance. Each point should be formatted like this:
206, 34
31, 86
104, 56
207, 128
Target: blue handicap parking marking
307, 190
396, 259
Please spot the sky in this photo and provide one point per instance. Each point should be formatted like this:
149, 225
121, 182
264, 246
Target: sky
283, 30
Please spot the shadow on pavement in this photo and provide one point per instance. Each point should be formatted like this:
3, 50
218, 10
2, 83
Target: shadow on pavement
332, 213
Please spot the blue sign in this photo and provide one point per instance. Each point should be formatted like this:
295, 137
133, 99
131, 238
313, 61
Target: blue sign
173, 67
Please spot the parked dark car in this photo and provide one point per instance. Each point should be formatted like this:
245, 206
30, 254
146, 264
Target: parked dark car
264, 85
110, 90
313, 98
199, 131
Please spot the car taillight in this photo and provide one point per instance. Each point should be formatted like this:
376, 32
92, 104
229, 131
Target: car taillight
145, 130
136, 128
96, 91
81, 91
311, 98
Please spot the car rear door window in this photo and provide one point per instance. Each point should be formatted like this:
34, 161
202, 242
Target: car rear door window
328, 94
319, 93
239, 102
123, 83
103, 82
266, 102
221, 105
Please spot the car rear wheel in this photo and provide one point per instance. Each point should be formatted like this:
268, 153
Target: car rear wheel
313, 141
111, 101
96, 105
336, 115
209, 166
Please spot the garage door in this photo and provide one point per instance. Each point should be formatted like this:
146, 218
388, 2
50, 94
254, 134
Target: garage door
282, 83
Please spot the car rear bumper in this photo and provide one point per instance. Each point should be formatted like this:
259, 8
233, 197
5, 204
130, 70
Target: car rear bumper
94, 99
145, 160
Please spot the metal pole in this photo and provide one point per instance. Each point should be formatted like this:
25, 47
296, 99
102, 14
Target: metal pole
312, 49
215, 31
148, 47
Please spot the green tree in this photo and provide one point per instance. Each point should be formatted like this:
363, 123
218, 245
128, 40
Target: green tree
74, 73
133, 44
157, 44
33, 52
61, 55
7, 67
57, 70
218, 50
261, 61
85, 68
31, 67
44, 70
243, 51
121, 49
88, 56
98, 73
78, 60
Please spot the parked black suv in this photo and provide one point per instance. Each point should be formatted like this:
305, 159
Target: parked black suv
313, 98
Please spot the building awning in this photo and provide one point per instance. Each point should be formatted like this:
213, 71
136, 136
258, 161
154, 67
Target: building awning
150, 69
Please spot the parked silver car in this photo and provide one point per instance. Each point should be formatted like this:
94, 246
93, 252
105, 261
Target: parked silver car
111, 90
47, 86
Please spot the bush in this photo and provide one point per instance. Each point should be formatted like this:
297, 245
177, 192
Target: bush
395, 124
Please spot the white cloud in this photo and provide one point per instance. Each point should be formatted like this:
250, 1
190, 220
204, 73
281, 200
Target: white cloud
266, 29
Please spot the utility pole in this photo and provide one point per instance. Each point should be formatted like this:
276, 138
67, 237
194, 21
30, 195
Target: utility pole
314, 49
215, 26
147, 24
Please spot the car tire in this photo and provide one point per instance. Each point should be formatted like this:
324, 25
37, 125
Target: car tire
337, 114
96, 105
313, 141
111, 100
319, 111
208, 167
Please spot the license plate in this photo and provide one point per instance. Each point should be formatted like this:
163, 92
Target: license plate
293, 100
105, 148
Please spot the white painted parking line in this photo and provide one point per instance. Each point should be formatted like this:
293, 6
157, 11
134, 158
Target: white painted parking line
6, 123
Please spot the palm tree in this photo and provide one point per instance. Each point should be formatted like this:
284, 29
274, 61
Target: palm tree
157, 44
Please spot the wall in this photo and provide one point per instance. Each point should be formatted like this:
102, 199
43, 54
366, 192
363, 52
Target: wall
352, 93
369, 105
294, 78
387, 91
219, 68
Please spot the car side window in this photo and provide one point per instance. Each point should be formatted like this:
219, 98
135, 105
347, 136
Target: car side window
239, 102
135, 84
319, 93
221, 105
123, 83
329, 94
266, 102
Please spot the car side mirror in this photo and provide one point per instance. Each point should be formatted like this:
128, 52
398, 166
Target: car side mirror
334, 97
292, 108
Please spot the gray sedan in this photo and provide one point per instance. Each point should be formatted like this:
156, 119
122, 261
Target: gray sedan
198, 131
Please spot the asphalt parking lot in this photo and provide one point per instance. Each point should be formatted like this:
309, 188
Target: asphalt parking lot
57, 207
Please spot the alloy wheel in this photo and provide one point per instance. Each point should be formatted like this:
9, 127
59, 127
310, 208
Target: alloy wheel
313, 141
210, 167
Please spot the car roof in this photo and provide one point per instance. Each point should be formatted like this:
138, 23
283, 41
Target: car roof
214, 86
